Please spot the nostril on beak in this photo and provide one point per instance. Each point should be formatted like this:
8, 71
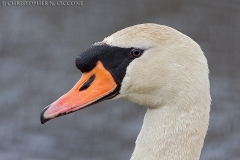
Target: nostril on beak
87, 83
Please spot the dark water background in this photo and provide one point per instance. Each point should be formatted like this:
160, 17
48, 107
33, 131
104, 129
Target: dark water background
38, 46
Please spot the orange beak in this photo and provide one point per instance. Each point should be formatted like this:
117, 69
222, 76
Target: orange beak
93, 86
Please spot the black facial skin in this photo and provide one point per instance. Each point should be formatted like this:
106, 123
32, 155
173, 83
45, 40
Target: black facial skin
114, 59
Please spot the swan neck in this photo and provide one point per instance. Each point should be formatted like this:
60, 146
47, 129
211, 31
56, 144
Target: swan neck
171, 133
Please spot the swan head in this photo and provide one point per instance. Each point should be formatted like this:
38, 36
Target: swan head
149, 64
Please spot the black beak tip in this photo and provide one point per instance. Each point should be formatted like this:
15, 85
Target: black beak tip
42, 119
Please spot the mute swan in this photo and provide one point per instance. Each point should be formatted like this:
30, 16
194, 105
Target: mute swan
155, 66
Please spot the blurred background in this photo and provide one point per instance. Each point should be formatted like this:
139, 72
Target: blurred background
38, 47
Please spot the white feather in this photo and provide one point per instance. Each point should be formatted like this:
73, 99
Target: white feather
171, 79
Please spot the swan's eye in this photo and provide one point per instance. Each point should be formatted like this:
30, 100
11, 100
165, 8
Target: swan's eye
135, 53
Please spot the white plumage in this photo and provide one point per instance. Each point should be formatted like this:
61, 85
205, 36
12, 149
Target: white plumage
171, 79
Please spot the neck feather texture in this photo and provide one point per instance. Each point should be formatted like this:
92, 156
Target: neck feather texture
170, 133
